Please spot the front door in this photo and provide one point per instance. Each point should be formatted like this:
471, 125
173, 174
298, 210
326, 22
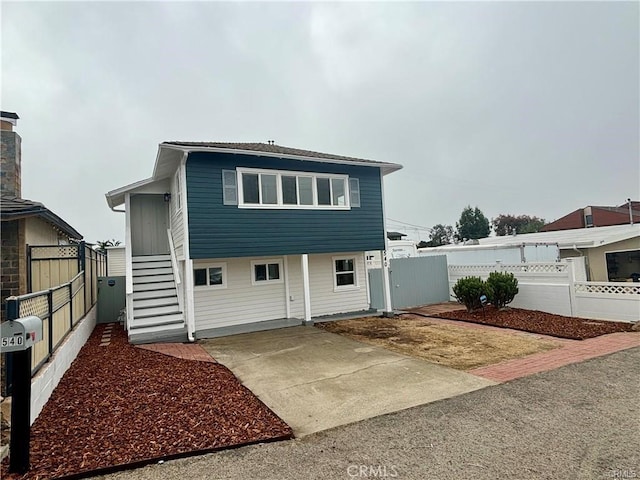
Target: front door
149, 225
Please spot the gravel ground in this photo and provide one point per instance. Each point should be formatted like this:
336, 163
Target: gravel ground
577, 422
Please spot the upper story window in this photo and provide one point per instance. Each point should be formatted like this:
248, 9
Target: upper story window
285, 189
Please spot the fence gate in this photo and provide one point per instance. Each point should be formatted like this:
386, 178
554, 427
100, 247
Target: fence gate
111, 298
414, 281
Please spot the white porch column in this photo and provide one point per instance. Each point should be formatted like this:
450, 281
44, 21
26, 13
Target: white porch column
306, 288
388, 307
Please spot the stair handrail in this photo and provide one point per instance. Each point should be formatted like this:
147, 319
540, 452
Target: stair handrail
176, 271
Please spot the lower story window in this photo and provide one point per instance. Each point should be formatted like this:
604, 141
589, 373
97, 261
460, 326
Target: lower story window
210, 276
345, 272
266, 271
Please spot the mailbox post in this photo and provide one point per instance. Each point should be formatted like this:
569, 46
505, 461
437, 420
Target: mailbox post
18, 336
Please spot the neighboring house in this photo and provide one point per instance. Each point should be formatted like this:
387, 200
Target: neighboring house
612, 254
24, 222
234, 237
594, 216
395, 235
395, 249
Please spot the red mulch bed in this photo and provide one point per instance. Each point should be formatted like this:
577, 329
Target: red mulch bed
119, 405
540, 322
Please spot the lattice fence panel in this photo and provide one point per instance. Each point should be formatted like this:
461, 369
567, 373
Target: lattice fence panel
56, 251
608, 288
60, 297
77, 283
37, 306
513, 268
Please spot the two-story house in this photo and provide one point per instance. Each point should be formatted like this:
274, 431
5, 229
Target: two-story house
233, 237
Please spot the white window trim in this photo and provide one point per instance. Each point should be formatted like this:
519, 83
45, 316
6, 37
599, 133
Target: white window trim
288, 173
267, 261
345, 288
207, 266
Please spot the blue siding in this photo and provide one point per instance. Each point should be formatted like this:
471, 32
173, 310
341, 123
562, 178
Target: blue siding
218, 230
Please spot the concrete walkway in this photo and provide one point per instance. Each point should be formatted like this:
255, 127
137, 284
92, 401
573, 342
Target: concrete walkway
315, 380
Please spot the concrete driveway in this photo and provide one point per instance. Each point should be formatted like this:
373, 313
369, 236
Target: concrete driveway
315, 380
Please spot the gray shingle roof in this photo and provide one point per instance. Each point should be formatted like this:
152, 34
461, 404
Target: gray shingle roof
275, 149
9, 115
13, 208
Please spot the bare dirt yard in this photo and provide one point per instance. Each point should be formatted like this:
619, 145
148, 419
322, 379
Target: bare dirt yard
459, 347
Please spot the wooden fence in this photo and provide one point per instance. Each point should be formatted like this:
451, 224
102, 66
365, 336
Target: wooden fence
67, 280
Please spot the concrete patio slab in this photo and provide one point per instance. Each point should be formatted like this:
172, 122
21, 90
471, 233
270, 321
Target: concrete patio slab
315, 380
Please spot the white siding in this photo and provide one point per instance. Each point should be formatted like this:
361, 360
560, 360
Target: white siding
116, 264
296, 294
325, 300
176, 221
241, 302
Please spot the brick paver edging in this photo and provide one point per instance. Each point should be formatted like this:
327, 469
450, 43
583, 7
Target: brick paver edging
186, 351
570, 352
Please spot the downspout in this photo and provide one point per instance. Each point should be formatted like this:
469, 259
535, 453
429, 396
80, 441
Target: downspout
188, 262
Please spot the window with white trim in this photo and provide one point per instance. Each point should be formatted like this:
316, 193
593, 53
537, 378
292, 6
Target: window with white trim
285, 189
210, 276
266, 271
344, 273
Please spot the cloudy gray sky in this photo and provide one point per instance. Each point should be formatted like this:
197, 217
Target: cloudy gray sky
521, 108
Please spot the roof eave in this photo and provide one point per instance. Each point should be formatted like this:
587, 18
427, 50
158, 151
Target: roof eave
48, 216
116, 197
385, 168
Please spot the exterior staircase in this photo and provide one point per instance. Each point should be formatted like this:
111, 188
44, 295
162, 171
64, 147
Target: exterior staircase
157, 316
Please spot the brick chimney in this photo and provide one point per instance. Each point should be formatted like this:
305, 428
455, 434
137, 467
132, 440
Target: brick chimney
11, 154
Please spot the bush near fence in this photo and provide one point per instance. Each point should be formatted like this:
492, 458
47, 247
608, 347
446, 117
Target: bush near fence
552, 287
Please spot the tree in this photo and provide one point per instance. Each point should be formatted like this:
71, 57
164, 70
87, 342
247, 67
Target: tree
102, 246
440, 235
472, 224
509, 224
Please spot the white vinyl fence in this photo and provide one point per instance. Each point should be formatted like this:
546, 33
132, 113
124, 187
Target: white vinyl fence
555, 288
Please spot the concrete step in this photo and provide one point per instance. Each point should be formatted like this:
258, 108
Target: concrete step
139, 272
155, 311
152, 279
157, 321
170, 333
170, 292
146, 287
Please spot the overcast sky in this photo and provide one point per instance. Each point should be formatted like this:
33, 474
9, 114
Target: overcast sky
520, 108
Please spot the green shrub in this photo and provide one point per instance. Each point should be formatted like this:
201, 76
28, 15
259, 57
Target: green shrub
503, 288
468, 291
